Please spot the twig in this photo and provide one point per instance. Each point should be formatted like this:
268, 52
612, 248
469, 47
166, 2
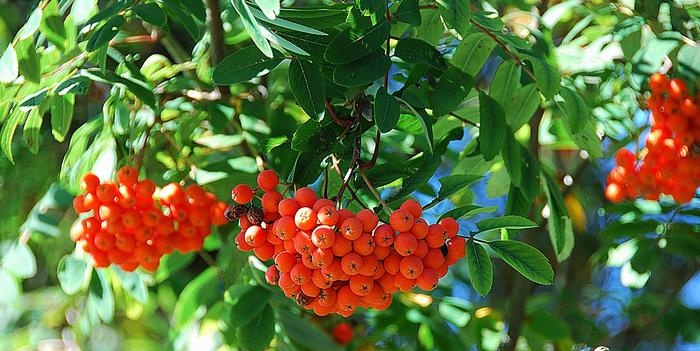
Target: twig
504, 46
138, 159
216, 31
334, 116
373, 160
374, 191
352, 192
346, 179
325, 182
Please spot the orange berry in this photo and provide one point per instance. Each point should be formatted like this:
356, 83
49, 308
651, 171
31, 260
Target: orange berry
387, 283
242, 194
341, 246
392, 263
303, 244
287, 207
351, 263
104, 241
310, 289
456, 248
328, 215
285, 261
364, 244
401, 220
421, 249
241, 244
270, 201
172, 194
420, 228
677, 89
433, 258
305, 218
322, 257
405, 244
436, 235
89, 182
264, 252
381, 252
351, 228
127, 175
404, 284
346, 300
285, 228
413, 207
255, 236
323, 236
319, 279
361, 285
334, 271
451, 226
658, 83
125, 242
327, 297
106, 192
272, 275
428, 280
300, 274
411, 267
321, 203
368, 219
305, 197
615, 192
369, 265
342, 334
384, 235
268, 180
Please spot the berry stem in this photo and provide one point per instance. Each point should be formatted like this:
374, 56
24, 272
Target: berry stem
374, 191
138, 159
375, 154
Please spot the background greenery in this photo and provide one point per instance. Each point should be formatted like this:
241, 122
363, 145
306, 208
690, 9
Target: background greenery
485, 109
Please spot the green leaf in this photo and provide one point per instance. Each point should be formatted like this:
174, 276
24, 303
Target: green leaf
307, 86
245, 64
109, 11
292, 26
245, 303
350, 45
452, 184
102, 35
152, 13
201, 291
575, 110
258, 333
492, 127
133, 283
456, 14
196, 9
28, 61
19, 261
521, 105
648, 59
100, 297
303, 333
428, 166
417, 51
363, 71
10, 289
140, 89
689, 61
52, 26
431, 28
525, 259
559, 226
266, 145
386, 110
32, 25
548, 79
183, 17
512, 158
451, 90
505, 222
472, 53
408, 12
467, 211
588, 139
9, 67
61, 115
505, 82
252, 27
7, 132
303, 137
31, 130
72, 274
480, 269
78, 145
425, 121
271, 8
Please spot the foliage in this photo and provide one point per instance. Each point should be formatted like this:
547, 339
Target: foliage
503, 114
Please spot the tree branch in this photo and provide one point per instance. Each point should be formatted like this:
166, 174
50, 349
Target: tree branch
504, 46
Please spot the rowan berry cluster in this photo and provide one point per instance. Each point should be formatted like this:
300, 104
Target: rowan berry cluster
332, 260
670, 162
124, 224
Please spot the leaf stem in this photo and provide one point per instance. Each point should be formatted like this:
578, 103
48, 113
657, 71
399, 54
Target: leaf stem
504, 46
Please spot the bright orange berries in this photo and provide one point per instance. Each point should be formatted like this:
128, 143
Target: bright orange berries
331, 260
122, 224
670, 162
